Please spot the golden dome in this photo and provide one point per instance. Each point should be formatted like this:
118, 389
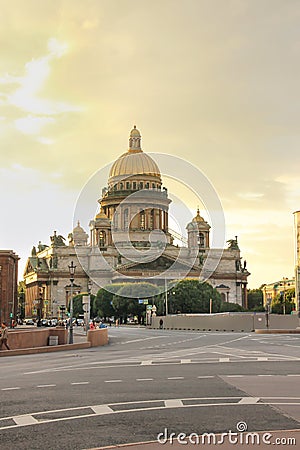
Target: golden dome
134, 164
198, 218
101, 215
134, 161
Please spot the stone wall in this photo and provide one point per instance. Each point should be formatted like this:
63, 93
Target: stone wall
226, 322
98, 337
18, 339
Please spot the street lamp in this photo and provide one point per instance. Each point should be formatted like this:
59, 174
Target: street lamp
88, 309
72, 275
283, 283
166, 297
269, 299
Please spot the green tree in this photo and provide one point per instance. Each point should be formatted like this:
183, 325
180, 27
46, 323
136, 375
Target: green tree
21, 299
103, 300
231, 307
193, 296
77, 305
125, 302
284, 303
255, 299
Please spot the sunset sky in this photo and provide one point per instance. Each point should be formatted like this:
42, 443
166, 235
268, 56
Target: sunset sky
213, 82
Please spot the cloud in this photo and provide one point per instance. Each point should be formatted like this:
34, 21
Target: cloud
32, 124
250, 195
25, 93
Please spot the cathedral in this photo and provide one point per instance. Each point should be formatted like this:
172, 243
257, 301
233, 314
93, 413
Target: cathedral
130, 240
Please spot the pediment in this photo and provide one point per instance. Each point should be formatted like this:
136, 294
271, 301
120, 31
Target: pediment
161, 264
30, 265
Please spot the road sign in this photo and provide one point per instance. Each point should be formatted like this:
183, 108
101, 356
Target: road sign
149, 307
145, 301
141, 301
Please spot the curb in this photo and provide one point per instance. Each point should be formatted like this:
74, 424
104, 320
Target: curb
277, 331
49, 349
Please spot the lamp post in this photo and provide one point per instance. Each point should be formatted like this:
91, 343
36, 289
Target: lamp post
72, 275
269, 299
166, 298
283, 283
88, 309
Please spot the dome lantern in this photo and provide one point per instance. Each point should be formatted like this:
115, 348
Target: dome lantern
134, 163
135, 140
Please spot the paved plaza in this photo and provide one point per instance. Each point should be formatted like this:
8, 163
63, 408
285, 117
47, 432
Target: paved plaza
148, 382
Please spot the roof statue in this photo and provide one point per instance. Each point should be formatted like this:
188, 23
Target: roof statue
233, 244
57, 240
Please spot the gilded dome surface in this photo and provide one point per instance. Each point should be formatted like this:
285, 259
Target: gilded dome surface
134, 161
134, 164
198, 218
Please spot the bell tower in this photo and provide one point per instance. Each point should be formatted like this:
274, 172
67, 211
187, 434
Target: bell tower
198, 233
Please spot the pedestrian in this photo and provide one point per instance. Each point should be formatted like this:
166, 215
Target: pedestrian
4, 335
92, 326
161, 324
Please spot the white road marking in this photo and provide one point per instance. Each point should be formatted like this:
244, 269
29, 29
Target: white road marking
146, 363
173, 403
249, 400
175, 378
143, 339
10, 389
144, 379
267, 375
262, 358
81, 382
101, 409
206, 376
24, 420
234, 376
45, 385
185, 361
29, 419
113, 381
224, 360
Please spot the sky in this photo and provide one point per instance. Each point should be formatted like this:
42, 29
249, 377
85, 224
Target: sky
213, 82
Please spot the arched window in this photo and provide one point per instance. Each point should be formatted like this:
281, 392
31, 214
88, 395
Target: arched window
153, 185
152, 219
126, 219
121, 186
134, 185
147, 185
102, 238
141, 185
142, 220
201, 240
127, 185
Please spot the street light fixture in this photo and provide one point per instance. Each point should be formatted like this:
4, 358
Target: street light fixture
72, 269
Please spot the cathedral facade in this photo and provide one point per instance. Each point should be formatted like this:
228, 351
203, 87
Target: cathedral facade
130, 240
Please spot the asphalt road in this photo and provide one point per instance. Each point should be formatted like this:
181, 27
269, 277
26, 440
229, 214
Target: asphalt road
147, 382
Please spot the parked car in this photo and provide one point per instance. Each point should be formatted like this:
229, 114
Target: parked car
29, 322
80, 322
